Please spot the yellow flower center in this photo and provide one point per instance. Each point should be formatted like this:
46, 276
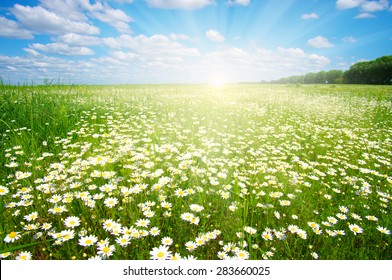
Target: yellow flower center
160, 255
13, 234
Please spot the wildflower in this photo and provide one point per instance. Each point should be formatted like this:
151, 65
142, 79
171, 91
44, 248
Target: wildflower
58, 209
106, 250
160, 253
343, 209
71, 222
110, 202
24, 256
332, 220
222, 255
314, 255
124, 240
267, 235
142, 223
3, 190
12, 236
242, 255
167, 241
86, 241
301, 233
67, 235
280, 235
5, 255
187, 216
154, 231
196, 207
372, 218
292, 228
355, 229
341, 216
383, 230
190, 246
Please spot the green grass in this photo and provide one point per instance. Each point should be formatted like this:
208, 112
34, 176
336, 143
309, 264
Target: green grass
262, 161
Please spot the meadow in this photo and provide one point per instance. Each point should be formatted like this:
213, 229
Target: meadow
280, 172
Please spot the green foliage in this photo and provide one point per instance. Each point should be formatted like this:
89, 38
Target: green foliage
378, 71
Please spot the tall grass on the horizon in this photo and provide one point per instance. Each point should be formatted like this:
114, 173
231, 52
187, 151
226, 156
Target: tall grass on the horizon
183, 172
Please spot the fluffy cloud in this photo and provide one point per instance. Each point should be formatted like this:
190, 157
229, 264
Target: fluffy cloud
214, 36
179, 4
74, 39
348, 4
310, 16
61, 48
366, 7
238, 2
11, 29
40, 20
319, 42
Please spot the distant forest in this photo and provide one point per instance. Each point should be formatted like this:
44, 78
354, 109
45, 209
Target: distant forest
378, 72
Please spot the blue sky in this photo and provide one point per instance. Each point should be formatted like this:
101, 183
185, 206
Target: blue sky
187, 41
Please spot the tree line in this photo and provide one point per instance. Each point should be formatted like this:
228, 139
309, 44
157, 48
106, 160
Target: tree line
378, 71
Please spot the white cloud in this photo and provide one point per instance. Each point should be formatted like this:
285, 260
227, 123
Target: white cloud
310, 16
319, 42
176, 36
79, 40
374, 6
70, 8
349, 39
238, 2
61, 48
214, 36
39, 20
114, 17
366, 7
179, 4
365, 15
11, 29
348, 4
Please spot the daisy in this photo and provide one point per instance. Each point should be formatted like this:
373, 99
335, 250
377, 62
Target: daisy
124, 240
67, 234
292, 228
222, 255
106, 250
355, 229
372, 218
190, 246
167, 241
72, 222
142, 223
3, 190
314, 255
86, 241
154, 231
187, 216
24, 256
341, 216
110, 202
383, 230
12, 236
242, 255
267, 235
301, 233
160, 253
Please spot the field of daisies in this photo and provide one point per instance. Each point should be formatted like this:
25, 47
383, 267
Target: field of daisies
170, 172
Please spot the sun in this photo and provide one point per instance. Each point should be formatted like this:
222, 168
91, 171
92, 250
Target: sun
217, 83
